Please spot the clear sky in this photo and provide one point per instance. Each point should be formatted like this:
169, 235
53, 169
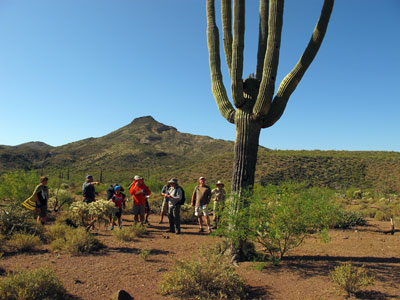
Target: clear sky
73, 69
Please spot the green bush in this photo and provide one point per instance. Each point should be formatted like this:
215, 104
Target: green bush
128, 234
17, 219
22, 242
346, 219
17, 186
287, 215
350, 278
40, 284
77, 242
208, 276
57, 231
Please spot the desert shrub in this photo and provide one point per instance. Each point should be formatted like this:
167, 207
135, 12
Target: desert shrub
17, 219
16, 186
346, 219
77, 242
287, 215
57, 231
40, 284
144, 254
207, 276
61, 199
187, 214
22, 242
128, 234
2, 243
350, 278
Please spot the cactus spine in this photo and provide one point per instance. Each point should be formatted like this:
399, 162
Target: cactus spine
256, 105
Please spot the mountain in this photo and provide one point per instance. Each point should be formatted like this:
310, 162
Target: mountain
150, 148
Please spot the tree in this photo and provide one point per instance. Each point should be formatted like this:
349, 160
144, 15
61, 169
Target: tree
256, 105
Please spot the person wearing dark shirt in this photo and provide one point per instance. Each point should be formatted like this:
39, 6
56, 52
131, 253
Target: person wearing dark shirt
42, 196
89, 193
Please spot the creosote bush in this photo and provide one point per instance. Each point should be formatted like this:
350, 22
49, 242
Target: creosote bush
284, 216
207, 276
22, 242
350, 278
128, 234
77, 242
40, 284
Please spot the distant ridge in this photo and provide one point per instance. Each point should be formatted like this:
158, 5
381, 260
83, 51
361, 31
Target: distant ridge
151, 148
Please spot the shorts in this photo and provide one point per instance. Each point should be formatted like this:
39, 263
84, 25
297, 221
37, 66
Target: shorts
139, 210
117, 212
42, 211
201, 211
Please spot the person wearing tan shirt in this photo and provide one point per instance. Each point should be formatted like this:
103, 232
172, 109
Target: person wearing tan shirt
200, 199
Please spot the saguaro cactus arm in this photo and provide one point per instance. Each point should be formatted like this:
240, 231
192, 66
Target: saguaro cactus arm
262, 37
237, 52
226, 16
289, 83
271, 60
224, 105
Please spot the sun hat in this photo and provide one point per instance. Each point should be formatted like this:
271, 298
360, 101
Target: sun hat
173, 180
137, 177
219, 182
202, 178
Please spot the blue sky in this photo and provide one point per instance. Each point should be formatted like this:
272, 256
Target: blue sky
73, 69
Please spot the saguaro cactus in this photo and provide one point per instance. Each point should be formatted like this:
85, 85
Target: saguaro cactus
256, 105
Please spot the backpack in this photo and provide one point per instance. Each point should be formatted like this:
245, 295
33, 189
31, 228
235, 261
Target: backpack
182, 201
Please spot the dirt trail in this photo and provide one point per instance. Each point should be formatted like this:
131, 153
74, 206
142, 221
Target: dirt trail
303, 275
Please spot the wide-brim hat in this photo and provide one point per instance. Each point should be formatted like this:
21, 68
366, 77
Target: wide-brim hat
219, 182
201, 178
173, 180
137, 177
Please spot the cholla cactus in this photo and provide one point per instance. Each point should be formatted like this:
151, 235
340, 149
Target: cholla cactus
101, 210
79, 212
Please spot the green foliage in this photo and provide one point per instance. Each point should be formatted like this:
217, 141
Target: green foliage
128, 234
350, 278
346, 219
40, 284
22, 242
207, 276
77, 242
57, 231
144, 254
287, 215
17, 219
18, 185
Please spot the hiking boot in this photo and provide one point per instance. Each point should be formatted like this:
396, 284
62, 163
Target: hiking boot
209, 229
201, 230
112, 228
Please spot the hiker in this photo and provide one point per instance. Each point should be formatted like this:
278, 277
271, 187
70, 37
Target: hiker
89, 193
218, 195
200, 199
41, 196
174, 196
164, 205
139, 191
110, 190
119, 200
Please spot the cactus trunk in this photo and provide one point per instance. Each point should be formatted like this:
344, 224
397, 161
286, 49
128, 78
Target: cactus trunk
246, 147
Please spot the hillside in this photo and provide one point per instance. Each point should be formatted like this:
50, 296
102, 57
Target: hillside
153, 149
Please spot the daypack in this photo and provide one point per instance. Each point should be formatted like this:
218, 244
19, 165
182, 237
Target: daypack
182, 201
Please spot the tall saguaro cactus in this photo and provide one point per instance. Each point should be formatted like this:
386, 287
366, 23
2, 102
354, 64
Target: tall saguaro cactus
257, 105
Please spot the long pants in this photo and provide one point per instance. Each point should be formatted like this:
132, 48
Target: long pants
174, 217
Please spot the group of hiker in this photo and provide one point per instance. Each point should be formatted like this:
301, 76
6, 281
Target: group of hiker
173, 198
